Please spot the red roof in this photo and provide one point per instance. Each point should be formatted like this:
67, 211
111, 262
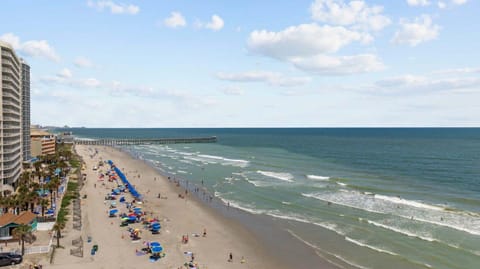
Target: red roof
25, 217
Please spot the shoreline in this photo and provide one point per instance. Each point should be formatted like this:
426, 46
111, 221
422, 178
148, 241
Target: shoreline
177, 217
271, 233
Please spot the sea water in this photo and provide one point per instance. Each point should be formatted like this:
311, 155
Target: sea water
360, 198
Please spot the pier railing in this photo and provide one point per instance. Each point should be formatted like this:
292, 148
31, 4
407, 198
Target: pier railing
143, 141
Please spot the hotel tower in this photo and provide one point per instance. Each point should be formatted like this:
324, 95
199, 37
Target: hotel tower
10, 118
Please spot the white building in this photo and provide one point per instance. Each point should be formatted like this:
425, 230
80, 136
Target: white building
10, 118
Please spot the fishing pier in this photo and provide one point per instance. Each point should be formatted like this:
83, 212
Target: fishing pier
144, 141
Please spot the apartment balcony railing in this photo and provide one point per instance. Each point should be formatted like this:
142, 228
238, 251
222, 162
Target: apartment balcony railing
8, 79
12, 104
8, 72
8, 118
10, 64
15, 157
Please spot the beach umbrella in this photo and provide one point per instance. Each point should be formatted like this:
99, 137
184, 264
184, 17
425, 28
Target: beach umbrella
154, 244
113, 203
156, 249
113, 211
132, 218
125, 218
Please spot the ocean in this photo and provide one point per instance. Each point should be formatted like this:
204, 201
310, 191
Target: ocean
356, 197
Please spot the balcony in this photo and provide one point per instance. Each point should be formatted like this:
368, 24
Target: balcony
8, 72
9, 55
7, 118
11, 103
11, 111
11, 91
15, 157
11, 126
7, 79
11, 150
11, 64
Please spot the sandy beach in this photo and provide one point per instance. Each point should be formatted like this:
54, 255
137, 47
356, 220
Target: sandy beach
178, 217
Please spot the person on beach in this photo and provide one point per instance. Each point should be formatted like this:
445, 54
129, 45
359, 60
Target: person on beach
230, 257
204, 232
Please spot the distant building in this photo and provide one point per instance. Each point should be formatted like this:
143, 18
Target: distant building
26, 111
42, 143
65, 137
10, 118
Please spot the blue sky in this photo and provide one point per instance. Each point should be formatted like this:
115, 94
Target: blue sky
317, 63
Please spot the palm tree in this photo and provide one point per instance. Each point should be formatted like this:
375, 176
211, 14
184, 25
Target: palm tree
43, 203
55, 184
21, 232
57, 228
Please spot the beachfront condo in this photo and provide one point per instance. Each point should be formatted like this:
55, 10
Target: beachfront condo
26, 111
10, 118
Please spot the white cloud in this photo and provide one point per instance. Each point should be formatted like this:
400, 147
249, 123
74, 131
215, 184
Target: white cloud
12, 39
441, 5
233, 91
65, 73
114, 7
413, 33
303, 40
272, 78
401, 81
356, 14
306, 47
422, 84
466, 70
215, 24
83, 62
34, 48
175, 20
459, 2
342, 65
418, 2
89, 82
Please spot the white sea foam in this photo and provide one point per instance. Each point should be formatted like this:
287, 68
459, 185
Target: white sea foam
326, 225
398, 200
238, 205
185, 153
282, 176
342, 184
258, 183
182, 172
315, 177
411, 210
286, 203
356, 242
225, 161
329, 253
401, 231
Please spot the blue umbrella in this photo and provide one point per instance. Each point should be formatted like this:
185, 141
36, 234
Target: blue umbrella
154, 244
132, 218
156, 249
113, 211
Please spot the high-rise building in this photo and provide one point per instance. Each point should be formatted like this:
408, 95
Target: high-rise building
10, 118
26, 111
